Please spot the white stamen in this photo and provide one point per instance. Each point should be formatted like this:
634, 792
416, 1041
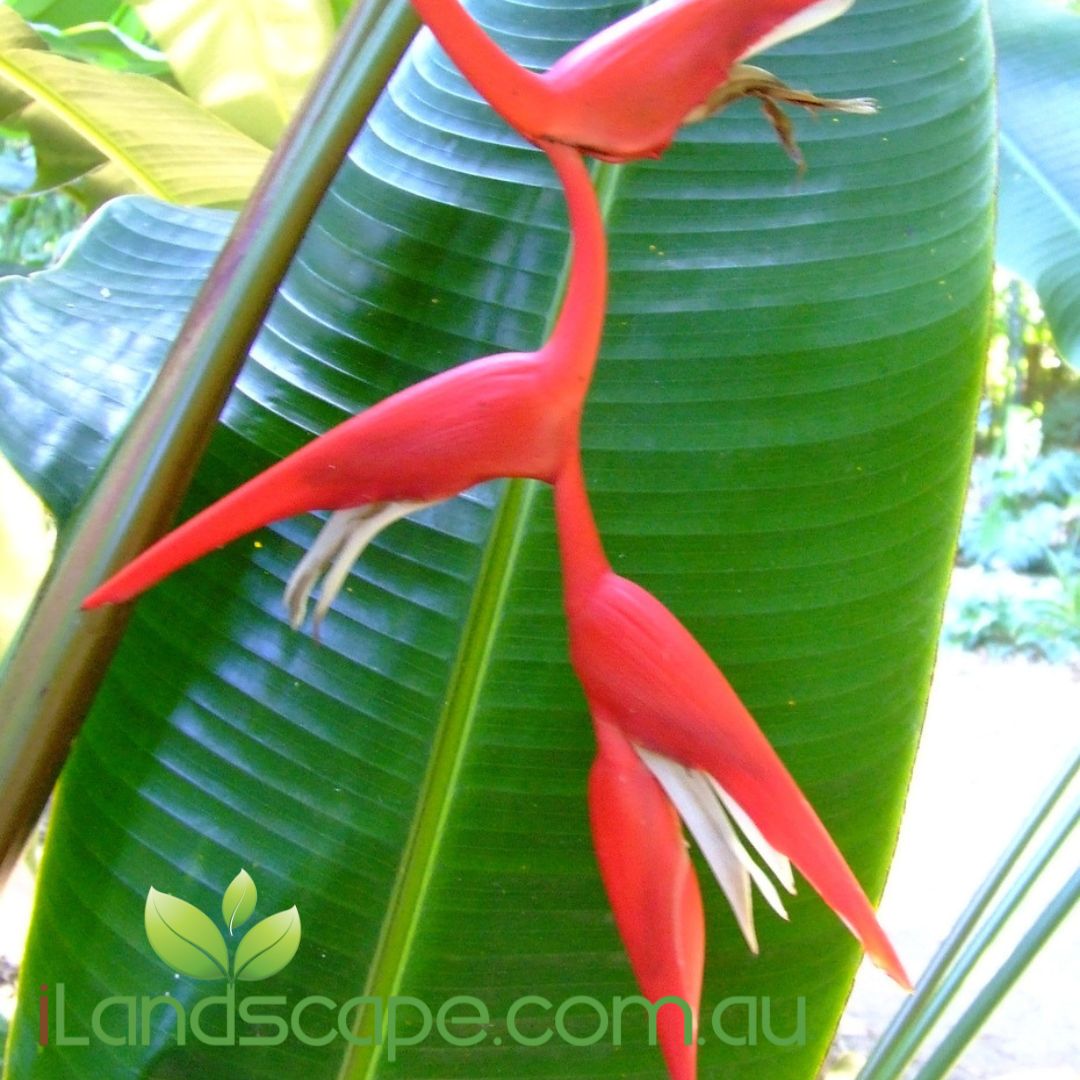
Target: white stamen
698, 807
705, 807
777, 863
339, 544
303, 578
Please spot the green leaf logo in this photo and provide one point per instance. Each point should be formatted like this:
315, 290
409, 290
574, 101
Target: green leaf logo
184, 938
187, 940
268, 946
239, 901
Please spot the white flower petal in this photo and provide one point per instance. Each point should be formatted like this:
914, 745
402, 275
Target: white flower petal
704, 815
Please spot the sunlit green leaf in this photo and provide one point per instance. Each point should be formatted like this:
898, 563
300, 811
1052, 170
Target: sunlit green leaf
62, 156
247, 61
60, 153
67, 13
161, 140
14, 34
107, 46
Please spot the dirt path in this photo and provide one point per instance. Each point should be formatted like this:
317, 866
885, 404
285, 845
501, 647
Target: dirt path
997, 732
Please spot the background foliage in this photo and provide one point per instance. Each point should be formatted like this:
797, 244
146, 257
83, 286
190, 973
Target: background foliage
1018, 586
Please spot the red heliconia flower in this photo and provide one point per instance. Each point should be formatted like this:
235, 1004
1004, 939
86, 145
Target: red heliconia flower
511, 414
653, 689
623, 93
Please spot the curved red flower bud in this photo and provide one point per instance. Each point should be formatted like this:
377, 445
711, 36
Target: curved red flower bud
512, 414
623, 93
644, 673
653, 891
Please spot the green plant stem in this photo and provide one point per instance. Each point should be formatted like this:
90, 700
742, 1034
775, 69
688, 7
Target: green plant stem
977, 1013
960, 951
57, 662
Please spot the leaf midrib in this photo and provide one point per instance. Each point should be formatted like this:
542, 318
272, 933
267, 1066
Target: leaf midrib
1039, 177
452, 733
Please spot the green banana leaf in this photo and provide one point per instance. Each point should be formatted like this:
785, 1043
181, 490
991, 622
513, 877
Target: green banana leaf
1038, 44
247, 62
60, 154
106, 45
67, 13
156, 136
777, 445
107, 33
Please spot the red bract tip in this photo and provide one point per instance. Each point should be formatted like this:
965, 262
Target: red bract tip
623, 93
507, 415
644, 674
653, 891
